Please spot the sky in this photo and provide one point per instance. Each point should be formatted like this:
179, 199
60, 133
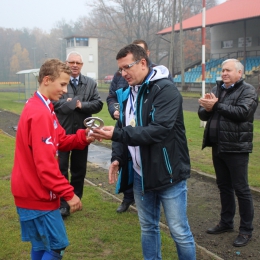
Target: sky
43, 14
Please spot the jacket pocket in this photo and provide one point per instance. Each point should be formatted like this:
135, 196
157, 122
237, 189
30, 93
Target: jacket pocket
167, 162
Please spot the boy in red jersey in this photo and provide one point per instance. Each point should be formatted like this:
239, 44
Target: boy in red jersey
37, 183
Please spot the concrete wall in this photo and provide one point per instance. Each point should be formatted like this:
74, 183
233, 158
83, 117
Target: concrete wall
232, 32
90, 57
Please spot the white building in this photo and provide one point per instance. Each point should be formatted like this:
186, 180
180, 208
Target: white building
88, 48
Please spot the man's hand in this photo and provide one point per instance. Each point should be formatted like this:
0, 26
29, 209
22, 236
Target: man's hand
103, 133
78, 104
113, 172
75, 204
208, 101
116, 114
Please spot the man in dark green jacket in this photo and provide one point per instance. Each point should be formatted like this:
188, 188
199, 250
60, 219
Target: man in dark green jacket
150, 151
229, 112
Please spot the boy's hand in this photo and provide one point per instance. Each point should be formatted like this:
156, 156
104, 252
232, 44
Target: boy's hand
75, 204
89, 137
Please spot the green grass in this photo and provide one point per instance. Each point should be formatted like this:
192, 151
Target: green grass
200, 159
96, 232
12, 101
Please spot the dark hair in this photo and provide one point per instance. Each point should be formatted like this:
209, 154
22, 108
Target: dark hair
140, 41
137, 51
53, 68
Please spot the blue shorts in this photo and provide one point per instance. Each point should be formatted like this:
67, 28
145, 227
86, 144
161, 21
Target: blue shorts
46, 232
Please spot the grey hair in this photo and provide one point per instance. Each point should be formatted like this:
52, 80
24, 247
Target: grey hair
74, 53
238, 64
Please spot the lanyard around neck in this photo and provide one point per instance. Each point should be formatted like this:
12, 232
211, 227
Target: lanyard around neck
43, 100
131, 102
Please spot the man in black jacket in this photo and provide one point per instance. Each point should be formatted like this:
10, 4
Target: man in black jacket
150, 151
229, 112
117, 83
81, 101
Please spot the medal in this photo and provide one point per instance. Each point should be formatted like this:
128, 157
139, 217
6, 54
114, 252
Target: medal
132, 122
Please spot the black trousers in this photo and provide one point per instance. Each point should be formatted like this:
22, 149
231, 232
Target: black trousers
76, 161
232, 179
128, 195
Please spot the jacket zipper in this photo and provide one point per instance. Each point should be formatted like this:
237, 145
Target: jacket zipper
167, 161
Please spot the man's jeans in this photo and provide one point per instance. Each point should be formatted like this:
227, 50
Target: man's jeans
174, 202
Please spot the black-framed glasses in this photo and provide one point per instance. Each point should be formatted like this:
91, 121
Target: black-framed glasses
75, 62
127, 67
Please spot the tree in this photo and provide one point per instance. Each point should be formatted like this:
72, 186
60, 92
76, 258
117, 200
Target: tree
20, 59
115, 23
119, 22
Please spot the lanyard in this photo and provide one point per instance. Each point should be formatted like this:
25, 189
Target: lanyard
132, 105
47, 105
43, 100
131, 102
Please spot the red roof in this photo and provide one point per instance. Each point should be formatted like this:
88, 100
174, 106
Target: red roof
230, 11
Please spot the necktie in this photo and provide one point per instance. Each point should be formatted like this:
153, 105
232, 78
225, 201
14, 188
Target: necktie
74, 81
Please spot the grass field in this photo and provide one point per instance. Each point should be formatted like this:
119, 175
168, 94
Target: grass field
200, 159
97, 232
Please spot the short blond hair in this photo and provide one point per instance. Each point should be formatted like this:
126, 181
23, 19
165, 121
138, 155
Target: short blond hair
53, 68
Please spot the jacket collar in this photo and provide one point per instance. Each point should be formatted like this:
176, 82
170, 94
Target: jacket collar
83, 79
237, 84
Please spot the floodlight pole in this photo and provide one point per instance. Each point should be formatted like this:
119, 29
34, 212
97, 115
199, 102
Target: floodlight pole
61, 39
203, 41
34, 61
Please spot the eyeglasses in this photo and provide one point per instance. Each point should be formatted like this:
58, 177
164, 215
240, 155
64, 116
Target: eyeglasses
127, 67
74, 62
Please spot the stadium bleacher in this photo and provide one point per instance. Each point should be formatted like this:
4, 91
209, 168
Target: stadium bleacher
213, 70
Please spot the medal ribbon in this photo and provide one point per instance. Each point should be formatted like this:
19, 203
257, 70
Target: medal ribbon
43, 100
131, 103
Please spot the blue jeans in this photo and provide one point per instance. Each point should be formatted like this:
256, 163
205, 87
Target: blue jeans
174, 202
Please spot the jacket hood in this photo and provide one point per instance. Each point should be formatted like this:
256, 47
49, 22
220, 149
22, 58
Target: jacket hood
159, 72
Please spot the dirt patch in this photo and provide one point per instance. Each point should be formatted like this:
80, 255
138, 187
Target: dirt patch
203, 208
203, 212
